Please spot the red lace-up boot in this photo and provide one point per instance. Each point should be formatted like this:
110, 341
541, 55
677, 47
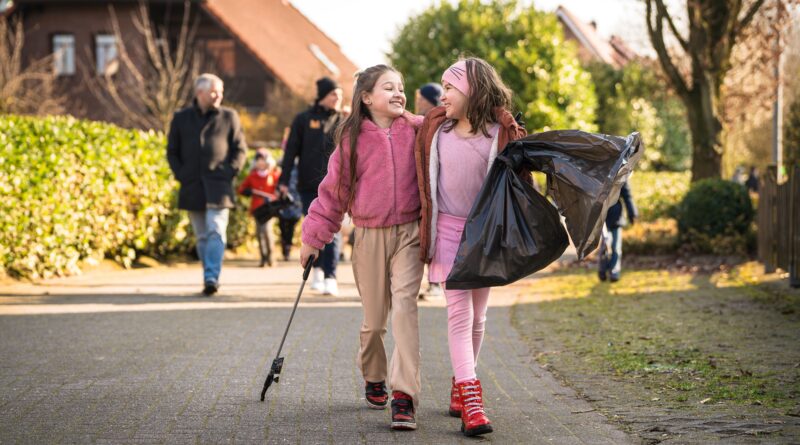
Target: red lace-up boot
455, 400
473, 417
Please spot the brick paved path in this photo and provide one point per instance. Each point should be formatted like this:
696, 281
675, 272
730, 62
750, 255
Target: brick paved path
136, 357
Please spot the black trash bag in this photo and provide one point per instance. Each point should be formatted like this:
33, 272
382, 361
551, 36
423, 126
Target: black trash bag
512, 231
272, 208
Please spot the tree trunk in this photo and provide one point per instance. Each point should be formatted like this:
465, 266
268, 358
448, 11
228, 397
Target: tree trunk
705, 126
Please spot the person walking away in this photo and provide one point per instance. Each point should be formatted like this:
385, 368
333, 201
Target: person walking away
752, 180
206, 149
610, 262
311, 144
260, 185
371, 176
455, 149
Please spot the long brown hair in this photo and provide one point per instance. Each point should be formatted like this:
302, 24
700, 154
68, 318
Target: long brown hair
487, 92
351, 127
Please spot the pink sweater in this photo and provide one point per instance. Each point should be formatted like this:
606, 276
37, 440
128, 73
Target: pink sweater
386, 192
463, 165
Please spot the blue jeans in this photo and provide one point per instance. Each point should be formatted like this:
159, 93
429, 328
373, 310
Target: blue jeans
611, 252
210, 227
329, 255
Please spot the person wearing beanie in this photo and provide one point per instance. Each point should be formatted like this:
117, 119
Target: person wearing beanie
325, 86
427, 98
308, 148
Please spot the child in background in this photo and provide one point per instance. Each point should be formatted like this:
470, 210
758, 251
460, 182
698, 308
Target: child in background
260, 184
371, 175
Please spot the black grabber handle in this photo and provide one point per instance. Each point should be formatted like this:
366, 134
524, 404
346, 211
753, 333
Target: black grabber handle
277, 364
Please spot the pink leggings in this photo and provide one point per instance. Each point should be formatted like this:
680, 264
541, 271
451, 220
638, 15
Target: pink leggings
466, 323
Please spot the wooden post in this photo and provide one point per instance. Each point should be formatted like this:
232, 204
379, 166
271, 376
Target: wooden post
794, 226
766, 227
782, 227
762, 218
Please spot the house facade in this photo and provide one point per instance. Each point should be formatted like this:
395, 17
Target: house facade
268, 53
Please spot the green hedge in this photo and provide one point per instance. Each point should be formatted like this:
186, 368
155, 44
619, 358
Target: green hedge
76, 190
716, 216
657, 194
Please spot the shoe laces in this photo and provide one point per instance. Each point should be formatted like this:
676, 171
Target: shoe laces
377, 388
401, 406
471, 400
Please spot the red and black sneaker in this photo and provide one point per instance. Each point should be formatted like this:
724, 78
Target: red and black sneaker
403, 412
376, 395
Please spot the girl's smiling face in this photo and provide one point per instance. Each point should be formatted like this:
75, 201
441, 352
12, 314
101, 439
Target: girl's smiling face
454, 101
387, 99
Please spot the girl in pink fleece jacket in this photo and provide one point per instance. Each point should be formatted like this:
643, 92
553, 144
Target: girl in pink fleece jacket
372, 176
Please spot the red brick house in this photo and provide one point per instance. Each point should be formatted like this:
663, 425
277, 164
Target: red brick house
261, 48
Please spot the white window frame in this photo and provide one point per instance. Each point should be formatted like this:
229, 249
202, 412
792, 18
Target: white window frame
322, 57
106, 52
63, 54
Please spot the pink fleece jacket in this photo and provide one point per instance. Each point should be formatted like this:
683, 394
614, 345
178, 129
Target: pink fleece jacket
386, 191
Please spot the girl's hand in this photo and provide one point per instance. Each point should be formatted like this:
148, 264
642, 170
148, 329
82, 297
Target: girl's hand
306, 252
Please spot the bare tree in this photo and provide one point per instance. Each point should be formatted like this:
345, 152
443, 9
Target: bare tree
146, 95
748, 92
27, 89
715, 28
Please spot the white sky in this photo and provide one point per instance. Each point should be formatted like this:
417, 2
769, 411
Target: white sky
364, 28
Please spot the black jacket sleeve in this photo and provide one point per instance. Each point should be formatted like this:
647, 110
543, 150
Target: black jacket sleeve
174, 148
627, 198
294, 146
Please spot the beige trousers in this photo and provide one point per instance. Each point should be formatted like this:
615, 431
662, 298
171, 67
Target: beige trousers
388, 273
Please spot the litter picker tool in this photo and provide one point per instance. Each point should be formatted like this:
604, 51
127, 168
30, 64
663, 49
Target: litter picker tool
277, 364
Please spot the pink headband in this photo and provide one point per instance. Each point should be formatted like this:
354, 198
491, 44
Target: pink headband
456, 75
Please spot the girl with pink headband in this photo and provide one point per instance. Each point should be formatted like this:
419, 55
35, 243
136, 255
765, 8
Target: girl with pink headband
455, 148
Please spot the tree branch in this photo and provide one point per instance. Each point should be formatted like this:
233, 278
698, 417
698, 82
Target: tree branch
122, 47
656, 32
662, 10
25, 90
748, 16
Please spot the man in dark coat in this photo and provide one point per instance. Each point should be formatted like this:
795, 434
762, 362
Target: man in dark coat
311, 143
206, 149
610, 264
